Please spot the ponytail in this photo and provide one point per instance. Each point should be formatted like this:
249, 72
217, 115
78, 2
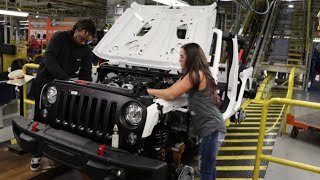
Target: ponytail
215, 95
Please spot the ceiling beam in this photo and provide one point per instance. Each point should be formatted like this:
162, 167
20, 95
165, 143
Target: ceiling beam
41, 11
77, 4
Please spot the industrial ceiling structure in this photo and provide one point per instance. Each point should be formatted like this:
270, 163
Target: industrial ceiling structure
75, 7
57, 7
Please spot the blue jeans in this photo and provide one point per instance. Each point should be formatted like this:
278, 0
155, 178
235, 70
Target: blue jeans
313, 70
209, 148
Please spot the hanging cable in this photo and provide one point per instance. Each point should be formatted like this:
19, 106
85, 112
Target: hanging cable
261, 13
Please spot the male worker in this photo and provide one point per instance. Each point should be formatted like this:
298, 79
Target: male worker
314, 66
66, 54
33, 45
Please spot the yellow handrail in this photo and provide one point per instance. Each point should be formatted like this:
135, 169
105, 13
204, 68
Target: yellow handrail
289, 96
262, 87
25, 100
259, 154
291, 83
276, 122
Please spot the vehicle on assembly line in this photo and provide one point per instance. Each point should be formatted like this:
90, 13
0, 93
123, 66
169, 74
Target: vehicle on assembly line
112, 128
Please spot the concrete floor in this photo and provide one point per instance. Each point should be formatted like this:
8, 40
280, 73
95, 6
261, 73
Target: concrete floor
9, 112
305, 148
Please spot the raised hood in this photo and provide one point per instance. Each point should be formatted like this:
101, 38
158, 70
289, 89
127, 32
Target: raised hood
151, 36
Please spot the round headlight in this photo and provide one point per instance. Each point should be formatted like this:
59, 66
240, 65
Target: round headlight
52, 94
133, 113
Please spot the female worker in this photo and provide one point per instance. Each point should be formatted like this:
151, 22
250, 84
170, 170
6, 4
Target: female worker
203, 103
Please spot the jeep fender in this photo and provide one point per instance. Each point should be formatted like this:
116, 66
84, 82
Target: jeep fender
153, 112
232, 81
245, 75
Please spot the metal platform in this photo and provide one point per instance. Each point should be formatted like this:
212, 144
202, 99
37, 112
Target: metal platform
312, 119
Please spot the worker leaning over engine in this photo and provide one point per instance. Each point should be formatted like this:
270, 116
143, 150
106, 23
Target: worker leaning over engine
203, 103
67, 56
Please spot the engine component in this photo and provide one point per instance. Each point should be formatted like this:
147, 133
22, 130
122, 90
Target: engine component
161, 138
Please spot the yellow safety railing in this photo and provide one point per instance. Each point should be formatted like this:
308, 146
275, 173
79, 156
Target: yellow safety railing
25, 100
289, 96
260, 156
262, 87
288, 102
287, 107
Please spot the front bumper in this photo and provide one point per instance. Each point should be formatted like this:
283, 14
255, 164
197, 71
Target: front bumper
82, 153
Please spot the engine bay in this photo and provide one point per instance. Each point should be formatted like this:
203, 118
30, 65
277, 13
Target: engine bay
135, 79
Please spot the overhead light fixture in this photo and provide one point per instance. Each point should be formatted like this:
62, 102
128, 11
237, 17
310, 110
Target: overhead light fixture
172, 2
316, 40
290, 6
14, 13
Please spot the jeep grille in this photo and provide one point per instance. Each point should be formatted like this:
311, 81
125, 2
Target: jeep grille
86, 114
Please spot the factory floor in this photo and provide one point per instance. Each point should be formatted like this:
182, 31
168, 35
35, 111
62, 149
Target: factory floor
305, 148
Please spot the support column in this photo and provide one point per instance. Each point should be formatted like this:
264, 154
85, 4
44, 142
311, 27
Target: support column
237, 23
5, 30
11, 30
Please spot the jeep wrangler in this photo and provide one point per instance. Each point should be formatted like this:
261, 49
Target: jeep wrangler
112, 128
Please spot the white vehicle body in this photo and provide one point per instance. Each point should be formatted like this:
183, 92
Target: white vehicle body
147, 36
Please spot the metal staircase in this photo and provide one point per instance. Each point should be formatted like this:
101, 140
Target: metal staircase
284, 44
298, 34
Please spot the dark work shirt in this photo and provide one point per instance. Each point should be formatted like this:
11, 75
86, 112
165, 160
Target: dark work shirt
63, 58
315, 56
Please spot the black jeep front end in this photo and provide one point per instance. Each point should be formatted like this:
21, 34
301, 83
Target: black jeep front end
77, 127
97, 160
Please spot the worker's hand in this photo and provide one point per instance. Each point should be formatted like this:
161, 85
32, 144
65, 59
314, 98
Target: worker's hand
142, 92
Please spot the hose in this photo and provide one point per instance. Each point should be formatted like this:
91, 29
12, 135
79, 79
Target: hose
257, 12
275, 123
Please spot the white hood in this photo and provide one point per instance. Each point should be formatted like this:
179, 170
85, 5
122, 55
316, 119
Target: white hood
159, 48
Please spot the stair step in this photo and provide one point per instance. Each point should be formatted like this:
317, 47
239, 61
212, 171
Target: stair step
297, 35
296, 40
295, 55
297, 28
296, 45
296, 50
294, 60
297, 20
297, 32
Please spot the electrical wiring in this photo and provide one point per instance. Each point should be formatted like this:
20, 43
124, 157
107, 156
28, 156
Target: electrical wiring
257, 12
